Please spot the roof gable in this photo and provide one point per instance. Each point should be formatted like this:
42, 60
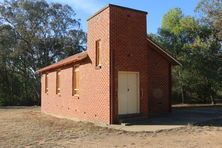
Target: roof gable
163, 52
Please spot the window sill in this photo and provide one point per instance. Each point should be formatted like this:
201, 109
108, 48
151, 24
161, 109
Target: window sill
76, 96
98, 67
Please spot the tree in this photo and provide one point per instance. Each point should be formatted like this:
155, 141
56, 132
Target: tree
211, 15
34, 34
211, 11
196, 47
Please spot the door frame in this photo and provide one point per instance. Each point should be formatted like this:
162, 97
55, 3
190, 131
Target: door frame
138, 90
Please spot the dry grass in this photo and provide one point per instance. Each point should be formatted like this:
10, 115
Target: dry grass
27, 127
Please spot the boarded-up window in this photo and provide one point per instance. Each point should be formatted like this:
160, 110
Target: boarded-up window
58, 73
46, 83
98, 53
76, 80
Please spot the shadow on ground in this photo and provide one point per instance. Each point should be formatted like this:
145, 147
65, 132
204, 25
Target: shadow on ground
185, 115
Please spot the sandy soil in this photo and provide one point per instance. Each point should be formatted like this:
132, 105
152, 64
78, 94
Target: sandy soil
27, 127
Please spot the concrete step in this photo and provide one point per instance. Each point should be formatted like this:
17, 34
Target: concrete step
131, 120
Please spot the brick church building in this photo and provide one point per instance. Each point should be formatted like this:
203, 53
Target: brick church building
122, 73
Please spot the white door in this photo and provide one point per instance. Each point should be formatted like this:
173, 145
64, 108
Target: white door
128, 93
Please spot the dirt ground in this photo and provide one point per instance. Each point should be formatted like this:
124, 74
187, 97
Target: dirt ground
28, 127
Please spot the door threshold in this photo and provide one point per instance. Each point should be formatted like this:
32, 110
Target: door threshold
130, 118
129, 115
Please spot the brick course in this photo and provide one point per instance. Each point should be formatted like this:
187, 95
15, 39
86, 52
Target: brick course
124, 47
129, 46
94, 96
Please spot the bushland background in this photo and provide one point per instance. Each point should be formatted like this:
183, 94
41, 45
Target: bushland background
34, 34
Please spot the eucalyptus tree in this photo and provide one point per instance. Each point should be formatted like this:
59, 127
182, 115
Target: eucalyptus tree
211, 14
34, 34
195, 45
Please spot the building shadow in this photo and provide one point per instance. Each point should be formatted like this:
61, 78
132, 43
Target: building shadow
206, 115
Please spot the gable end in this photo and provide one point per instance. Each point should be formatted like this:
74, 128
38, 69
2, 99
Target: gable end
163, 52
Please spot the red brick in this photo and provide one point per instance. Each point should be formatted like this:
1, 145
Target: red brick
124, 48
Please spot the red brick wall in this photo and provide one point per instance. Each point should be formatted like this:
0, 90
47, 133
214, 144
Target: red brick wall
129, 47
123, 48
93, 103
159, 83
130, 52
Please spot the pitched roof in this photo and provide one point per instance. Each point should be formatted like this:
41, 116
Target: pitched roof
66, 61
163, 52
83, 55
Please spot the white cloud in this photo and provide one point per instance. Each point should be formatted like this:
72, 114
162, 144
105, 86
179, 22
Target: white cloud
87, 6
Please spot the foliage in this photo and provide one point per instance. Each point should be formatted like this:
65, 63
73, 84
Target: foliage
33, 34
195, 45
211, 11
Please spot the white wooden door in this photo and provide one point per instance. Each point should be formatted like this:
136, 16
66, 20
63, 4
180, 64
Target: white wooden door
128, 93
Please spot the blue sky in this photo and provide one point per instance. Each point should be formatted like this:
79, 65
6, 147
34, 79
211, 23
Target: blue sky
155, 8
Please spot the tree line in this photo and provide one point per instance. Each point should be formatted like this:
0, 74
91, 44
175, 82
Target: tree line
196, 43
35, 33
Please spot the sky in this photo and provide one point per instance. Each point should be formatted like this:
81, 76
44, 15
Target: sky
155, 8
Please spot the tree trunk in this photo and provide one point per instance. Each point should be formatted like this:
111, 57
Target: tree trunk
181, 88
212, 100
182, 95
